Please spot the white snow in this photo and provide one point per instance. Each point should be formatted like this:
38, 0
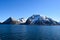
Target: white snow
22, 20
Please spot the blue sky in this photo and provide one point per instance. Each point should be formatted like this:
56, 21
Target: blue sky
26, 8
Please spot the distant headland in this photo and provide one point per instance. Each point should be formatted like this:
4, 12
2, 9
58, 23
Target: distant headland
32, 20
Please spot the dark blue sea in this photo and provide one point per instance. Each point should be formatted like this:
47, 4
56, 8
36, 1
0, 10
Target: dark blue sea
29, 32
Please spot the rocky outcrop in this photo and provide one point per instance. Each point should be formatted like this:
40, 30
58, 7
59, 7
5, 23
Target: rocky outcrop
22, 21
40, 20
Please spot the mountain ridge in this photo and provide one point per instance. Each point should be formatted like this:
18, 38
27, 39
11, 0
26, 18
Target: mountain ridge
32, 20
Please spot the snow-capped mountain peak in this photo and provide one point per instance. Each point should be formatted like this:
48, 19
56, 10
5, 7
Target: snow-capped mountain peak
38, 19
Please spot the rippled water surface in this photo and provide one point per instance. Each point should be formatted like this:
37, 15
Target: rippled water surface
29, 32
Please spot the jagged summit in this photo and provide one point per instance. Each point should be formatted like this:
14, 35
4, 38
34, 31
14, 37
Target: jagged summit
22, 20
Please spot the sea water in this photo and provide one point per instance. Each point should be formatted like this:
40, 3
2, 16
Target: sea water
29, 32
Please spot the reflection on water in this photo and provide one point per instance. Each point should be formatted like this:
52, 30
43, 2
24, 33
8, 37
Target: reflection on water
29, 32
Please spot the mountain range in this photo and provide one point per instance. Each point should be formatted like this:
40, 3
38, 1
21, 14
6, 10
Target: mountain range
32, 20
